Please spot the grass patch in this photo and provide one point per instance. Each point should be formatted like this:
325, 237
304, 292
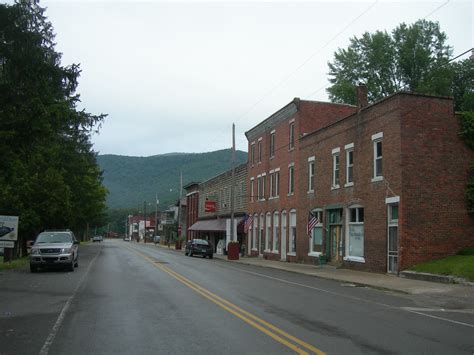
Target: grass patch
15, 264
457, 265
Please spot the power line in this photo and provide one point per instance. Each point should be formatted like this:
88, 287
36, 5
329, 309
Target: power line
288, 76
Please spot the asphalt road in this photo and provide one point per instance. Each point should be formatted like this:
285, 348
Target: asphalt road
128, 298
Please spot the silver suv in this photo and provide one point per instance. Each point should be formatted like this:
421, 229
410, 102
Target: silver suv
55, 248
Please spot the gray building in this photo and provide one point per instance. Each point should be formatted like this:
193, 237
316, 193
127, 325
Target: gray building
214, 208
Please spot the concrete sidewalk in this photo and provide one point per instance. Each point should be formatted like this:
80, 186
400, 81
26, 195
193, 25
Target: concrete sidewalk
380, 281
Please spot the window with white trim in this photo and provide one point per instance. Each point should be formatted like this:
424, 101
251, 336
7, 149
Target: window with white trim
292, 237
335, 168
355, 246
311, 171
283, 229
272, 144
291, 179
377, 163
276, 231
252, 154
252, 181
316, 239
260, 236
260, 150
277, 183
261, 187
349, 165
268, 234
255, 231
291, 133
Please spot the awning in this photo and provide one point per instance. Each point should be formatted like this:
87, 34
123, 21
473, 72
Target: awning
210, 225
213, 225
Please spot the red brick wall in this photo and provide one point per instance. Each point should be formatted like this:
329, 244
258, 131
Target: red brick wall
424, 162
357, 129
309, 117
435, 171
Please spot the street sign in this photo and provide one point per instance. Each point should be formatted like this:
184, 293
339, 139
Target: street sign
7, 244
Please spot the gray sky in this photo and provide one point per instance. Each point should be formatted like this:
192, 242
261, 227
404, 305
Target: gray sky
174, 76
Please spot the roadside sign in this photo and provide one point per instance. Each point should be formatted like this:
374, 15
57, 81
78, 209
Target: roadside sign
7, 244
8, 227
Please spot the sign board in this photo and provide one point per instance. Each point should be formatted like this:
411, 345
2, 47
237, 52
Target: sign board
8, 227
7, 244
210, 206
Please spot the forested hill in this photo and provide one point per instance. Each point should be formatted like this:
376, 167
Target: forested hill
133, 180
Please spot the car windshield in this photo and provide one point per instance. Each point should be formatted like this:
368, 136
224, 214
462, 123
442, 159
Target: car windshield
54, 237
201, 242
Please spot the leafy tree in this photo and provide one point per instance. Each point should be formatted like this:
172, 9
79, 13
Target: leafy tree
48, 171
413, 58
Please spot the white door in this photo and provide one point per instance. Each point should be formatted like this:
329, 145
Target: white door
283, 237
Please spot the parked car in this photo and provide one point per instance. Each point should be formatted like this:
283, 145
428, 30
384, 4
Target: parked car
199, 247
156, 239
97, 238
127, 239
55, 249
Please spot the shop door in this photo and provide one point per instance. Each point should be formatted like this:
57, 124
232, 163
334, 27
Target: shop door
393, 249
392, 242
335, 233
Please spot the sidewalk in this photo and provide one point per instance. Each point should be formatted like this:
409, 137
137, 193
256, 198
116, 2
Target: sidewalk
356, 278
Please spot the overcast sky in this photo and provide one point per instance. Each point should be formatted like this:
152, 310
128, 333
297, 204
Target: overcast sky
174, 76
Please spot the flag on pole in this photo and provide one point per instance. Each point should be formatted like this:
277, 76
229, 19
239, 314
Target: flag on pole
312, 221
247, 222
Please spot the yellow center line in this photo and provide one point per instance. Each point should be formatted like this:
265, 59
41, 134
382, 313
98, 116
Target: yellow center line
240, 313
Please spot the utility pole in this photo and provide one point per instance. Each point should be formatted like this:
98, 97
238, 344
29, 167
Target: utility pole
179, 202
156, 214
232, 188
144, 227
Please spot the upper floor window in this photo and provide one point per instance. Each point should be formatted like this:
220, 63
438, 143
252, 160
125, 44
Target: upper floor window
377, 144
272, 144
291, 179
252, 153
261, 187
274, 183
252, 191
292, 135
349, 164
335, 168
311, 171
260, 150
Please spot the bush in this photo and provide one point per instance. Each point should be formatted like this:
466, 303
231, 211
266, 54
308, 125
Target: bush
466, 251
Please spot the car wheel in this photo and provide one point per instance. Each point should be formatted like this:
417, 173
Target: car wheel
211, 256
70, 267
33, 268
186, 253
76, 264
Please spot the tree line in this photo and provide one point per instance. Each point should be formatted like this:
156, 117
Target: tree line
48, 171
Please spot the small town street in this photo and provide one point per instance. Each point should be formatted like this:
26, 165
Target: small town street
134, 298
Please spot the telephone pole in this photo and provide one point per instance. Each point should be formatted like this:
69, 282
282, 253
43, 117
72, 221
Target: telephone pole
232, 188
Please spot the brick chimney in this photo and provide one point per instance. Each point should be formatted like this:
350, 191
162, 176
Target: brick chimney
361, 96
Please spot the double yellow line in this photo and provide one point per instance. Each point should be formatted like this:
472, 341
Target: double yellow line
275, 333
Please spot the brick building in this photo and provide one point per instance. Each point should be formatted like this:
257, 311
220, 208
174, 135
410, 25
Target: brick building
386, 183
210, 209
272, 174
389, 186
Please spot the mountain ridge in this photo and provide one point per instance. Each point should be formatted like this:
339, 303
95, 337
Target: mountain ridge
133, 181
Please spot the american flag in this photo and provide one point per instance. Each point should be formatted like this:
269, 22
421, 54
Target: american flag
312, 221
247, 222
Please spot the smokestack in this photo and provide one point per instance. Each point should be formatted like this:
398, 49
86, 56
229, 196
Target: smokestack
361, 96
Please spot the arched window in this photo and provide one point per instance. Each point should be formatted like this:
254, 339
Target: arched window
292, 235
268, 234
275, 232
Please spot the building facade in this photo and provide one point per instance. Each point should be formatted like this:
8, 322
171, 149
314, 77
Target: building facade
213, 201
389, 187
273, 178
383, 187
